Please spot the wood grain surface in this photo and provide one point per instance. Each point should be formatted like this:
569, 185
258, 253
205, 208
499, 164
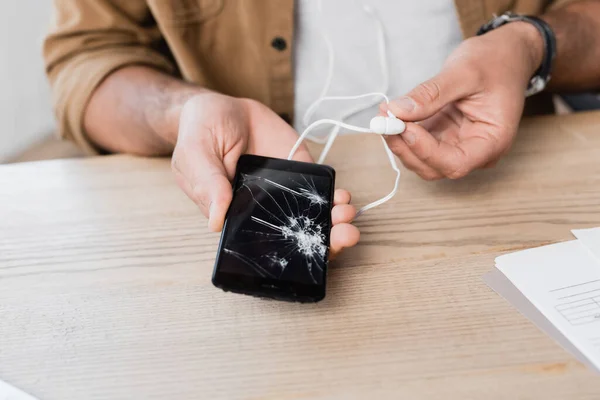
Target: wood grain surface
105, 286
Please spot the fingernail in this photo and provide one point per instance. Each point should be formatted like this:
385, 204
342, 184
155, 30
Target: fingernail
409, 138
405, 104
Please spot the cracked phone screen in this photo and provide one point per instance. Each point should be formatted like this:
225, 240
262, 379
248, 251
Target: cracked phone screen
278, 226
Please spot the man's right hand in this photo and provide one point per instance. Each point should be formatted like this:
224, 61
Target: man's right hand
214, 131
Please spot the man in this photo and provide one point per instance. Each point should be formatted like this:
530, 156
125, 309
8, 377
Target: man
209, 80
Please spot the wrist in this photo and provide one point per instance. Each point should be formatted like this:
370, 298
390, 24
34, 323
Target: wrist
168, 129
162, 103
531, 44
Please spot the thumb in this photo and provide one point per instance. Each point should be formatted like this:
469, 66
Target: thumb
431, 96
212, 189
203, 178
220, 194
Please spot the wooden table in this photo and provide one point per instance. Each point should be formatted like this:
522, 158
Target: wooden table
105, 288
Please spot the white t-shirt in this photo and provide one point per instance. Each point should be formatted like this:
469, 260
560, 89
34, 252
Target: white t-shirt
419, 35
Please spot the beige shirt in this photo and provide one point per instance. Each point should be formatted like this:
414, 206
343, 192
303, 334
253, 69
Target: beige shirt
242, 48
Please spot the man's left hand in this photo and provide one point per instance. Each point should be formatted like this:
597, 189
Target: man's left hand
469, 113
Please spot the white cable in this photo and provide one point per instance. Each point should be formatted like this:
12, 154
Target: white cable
330, 138
339, 124
334, 132
319, 139
381, 47
331, 59
317, 102
323, 122
330, 52
381, 44
396, 182
330, 65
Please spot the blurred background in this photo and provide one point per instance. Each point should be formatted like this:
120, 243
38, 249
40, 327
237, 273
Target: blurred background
26, 119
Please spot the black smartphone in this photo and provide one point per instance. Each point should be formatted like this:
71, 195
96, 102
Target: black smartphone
275, 241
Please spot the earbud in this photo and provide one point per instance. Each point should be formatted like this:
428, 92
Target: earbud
387, 125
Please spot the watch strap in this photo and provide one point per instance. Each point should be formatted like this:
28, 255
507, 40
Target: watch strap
542, 75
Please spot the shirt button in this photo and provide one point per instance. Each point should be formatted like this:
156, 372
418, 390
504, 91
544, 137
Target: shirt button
279, 43
286, 117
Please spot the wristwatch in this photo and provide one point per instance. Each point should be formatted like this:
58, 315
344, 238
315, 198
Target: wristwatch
541, 77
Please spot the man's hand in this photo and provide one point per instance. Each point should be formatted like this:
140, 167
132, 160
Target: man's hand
214, 131
469, 113
142, 111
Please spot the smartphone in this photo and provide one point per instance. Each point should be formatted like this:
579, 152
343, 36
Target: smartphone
275, 241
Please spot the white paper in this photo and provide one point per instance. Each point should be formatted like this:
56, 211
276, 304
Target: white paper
563, 282
590, 238
8, 392
501, 285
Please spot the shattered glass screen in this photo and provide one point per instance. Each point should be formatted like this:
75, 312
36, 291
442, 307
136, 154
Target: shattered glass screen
277, 226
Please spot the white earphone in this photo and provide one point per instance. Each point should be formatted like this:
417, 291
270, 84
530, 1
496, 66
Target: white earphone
380, 125
387, 125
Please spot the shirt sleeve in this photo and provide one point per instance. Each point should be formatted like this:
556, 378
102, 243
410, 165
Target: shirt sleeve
89, 40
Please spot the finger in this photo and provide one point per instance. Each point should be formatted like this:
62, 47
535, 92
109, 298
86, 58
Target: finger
342, 213
452, 160
342, 236
302, 154
212, 190
278, 138
410, 160
341, 196
204, 179
431, 96
221, 195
